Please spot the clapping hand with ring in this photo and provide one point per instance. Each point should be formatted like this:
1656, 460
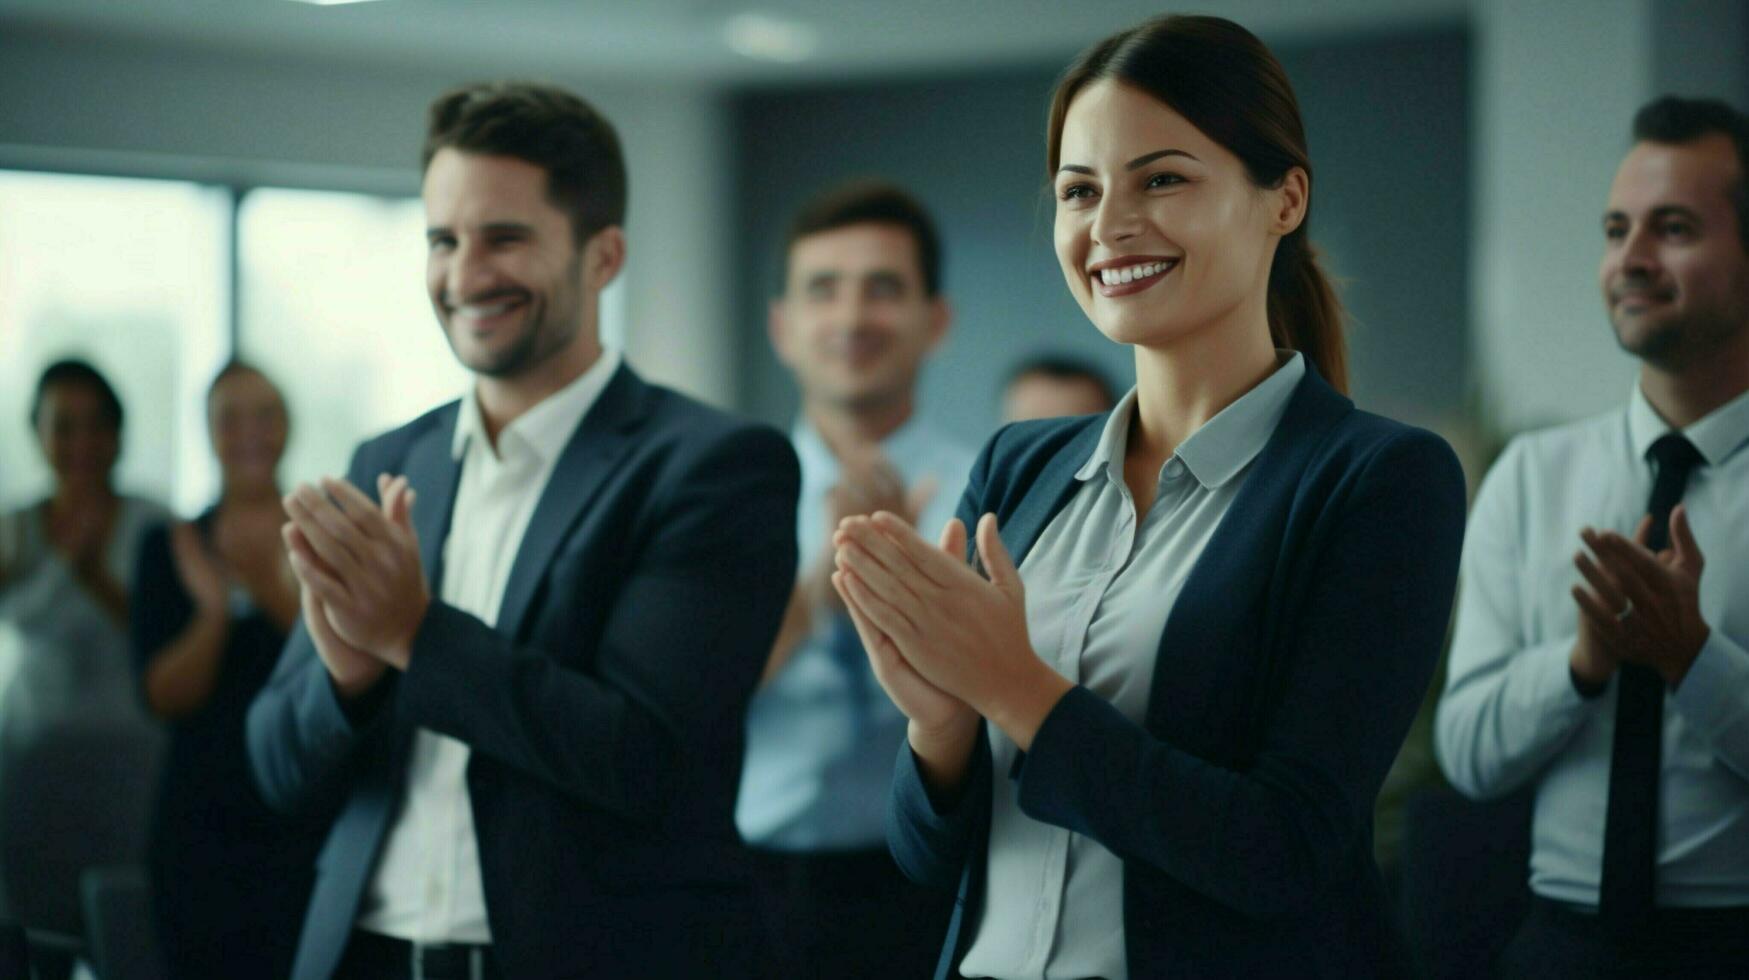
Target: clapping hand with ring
1639, 607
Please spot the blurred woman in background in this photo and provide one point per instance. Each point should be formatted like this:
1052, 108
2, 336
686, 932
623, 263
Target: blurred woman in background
213, 602
65, 683
64, 562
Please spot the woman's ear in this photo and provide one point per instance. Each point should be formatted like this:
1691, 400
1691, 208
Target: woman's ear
1291, 199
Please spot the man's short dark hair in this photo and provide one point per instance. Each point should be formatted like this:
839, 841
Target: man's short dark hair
74, 371
545, 126
1675, 120
864, 202
1060, 367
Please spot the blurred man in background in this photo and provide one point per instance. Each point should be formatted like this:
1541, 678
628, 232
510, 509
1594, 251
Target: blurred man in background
860, 312
1052, 386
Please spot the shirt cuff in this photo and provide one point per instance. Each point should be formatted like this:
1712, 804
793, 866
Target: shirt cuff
1712, 695
1548, 673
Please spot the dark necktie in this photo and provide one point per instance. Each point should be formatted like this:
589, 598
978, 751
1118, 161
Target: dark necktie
1630, 833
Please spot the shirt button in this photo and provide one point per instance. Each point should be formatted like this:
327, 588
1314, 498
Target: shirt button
1174, 468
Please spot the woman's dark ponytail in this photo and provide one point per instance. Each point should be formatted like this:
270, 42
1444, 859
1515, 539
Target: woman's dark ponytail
1304, 313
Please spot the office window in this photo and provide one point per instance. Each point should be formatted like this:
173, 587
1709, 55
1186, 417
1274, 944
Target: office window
132, 276
334, 310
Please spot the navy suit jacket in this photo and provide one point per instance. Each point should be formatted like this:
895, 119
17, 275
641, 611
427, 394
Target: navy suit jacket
1289, 670
604, 710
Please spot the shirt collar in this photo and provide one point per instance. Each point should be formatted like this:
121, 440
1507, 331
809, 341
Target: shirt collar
549, 425
907, 442
1222, 446
1720, 434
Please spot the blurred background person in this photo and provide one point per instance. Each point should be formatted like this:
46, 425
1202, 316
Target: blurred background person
860, 313
1054, 385
213, 602
64, 562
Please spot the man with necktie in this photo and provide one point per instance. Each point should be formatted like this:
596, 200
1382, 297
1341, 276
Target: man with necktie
860, 312
1602, 628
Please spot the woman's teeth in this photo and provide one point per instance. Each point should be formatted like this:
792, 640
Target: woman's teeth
1130, 273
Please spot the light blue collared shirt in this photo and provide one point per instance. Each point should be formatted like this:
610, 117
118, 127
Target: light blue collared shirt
1099, 588
821, 735
1510, 715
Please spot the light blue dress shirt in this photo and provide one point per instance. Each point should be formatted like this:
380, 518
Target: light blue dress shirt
822, 734
1510, 715
1099, 588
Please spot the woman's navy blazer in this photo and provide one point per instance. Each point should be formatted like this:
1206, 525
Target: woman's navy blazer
1289, 671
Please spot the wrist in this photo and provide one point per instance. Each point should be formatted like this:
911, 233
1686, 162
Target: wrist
943, 755
1675, 672
944, 737
398, 652
1019, 706
1589, 671
354, 684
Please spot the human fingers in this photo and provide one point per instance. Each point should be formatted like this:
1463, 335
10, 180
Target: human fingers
870, 635
880, 614
319, 581
1604, 621
933, 564
1643, 532
1602, 585
997, 562
892, 585
953, 538
326, 530
365, 514
891, 550
1633, 569
1686, 548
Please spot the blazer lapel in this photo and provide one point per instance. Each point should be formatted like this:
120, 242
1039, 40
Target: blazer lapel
1219, 620
1047, 495
434, 473
587, 460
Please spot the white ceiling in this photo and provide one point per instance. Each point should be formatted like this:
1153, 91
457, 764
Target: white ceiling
645, 41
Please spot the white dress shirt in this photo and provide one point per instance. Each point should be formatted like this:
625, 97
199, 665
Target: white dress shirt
1510, 714
427, 885
1099, 587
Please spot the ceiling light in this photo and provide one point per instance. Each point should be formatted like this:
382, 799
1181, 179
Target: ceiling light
331, 3
770, 38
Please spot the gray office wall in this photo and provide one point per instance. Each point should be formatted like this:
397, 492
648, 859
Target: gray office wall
1388, 121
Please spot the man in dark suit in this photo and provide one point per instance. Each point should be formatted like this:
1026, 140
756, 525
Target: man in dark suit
524, 662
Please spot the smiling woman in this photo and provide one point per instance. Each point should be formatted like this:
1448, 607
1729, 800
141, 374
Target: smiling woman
1230, 590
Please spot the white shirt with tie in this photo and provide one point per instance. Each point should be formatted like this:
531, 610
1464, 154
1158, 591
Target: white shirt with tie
1510, 714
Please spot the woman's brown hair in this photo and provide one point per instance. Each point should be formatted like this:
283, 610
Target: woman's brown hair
1222, 79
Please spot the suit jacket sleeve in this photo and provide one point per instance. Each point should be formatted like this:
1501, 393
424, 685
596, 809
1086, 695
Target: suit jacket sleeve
300, 735
931, 842
1362, 644
678, 656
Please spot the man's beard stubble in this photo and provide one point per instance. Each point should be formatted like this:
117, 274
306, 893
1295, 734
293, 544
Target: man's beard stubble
1678, 343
